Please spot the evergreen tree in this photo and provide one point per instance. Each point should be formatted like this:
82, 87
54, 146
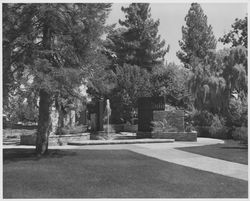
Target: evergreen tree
197, 36
16, 27
60, 40
137, 42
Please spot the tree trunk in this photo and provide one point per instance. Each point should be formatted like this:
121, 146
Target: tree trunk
45, 102
43, 123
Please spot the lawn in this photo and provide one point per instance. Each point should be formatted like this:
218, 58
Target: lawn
109, 174
230, 151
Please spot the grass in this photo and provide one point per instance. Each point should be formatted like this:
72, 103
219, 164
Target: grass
109, 174
231, 151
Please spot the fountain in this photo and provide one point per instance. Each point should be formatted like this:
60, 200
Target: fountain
108, 111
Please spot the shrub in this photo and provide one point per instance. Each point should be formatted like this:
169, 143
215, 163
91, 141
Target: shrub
202, 118
188, 120
235, 114
241, 133
217, 128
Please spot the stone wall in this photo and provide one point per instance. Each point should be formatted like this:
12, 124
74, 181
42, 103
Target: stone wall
28, 139
143, 134
64, 139
116, 128
55, 139
168, 125
177, 136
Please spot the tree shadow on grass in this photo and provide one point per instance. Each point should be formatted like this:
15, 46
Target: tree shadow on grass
16, 155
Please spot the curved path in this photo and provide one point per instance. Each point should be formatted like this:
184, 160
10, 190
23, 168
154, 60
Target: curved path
167, 152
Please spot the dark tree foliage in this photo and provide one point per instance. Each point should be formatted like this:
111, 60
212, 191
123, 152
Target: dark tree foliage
197, 36
137, 42
238, 34
102, 81
171, 81
16, 43
132, 82
55, 42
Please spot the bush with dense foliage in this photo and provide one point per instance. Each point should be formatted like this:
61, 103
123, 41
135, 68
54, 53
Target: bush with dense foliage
217, 128
240, 133
132, 83
171, 81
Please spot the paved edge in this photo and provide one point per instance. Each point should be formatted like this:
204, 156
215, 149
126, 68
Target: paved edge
107, 142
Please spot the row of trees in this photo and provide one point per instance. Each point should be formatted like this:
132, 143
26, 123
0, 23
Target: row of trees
136, 52
218, 80
51, 50
207, 81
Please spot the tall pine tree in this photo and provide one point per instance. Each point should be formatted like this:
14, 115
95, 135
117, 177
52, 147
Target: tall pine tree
137, 42
197, 36
60, 40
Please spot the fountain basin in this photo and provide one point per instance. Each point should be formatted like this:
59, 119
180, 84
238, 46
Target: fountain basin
103, 135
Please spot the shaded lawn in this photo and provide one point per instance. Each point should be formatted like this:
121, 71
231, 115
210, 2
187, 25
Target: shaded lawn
230, 151
109, 174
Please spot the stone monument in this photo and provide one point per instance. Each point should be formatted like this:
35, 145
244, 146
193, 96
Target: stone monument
96, 110
156, 120
146, 106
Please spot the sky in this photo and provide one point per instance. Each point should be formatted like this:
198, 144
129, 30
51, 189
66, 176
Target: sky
171, 15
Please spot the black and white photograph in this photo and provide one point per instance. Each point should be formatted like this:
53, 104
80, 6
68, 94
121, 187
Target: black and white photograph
124, 100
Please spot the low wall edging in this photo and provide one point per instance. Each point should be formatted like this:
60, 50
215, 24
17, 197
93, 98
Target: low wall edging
54, 139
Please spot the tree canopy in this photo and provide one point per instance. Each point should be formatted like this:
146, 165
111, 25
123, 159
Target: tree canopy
171, 81
137, 41
238, 34
197, 36
219, 76
132, 83
56, 42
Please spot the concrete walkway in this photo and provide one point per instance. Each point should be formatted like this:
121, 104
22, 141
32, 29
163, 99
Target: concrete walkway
108, 142
196, 161
167, 152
